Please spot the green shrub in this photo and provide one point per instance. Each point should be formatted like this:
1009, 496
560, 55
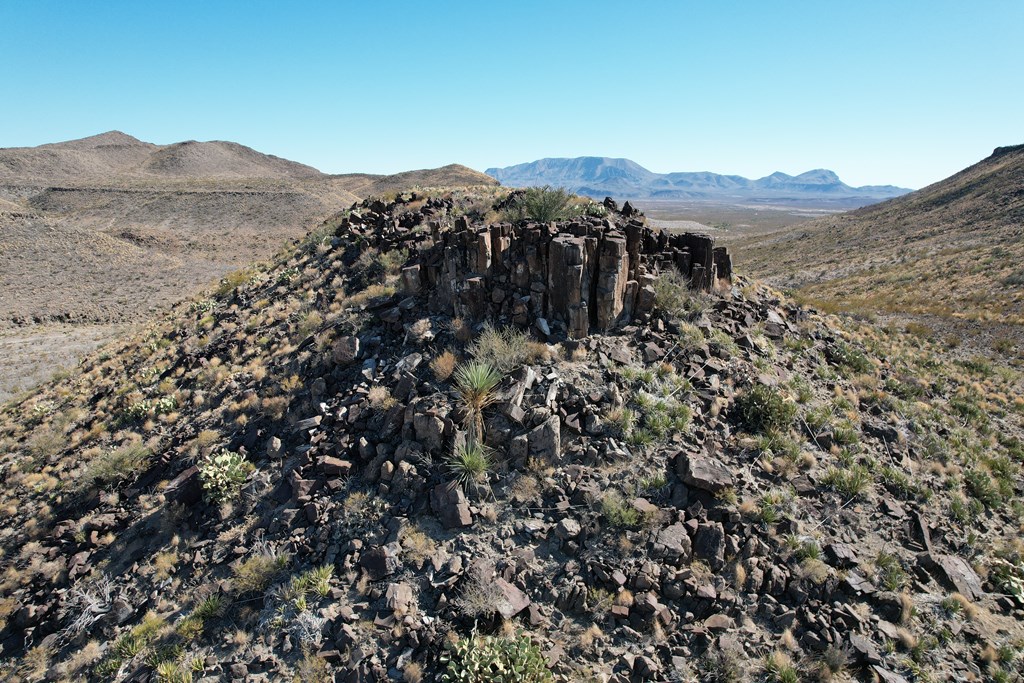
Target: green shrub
891, 574
618, 512
255, 573
541, 204
848, 358
849, 482
476, 382
672, 293
494, 659
764, 409
234, 280
1007, 575
223, 474
983, 488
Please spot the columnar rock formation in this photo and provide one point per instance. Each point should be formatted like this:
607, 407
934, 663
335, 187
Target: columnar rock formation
574, 277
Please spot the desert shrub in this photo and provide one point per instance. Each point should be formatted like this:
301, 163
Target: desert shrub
720, 666
476, 382
983, 488
618, 512
541, 204
495, 659
775, 505
890, 572
223, 474
374, 267
45, 444
235, 279
672, 293
849, 358
505, 349
1014, 279
115, 466
1007, 575
764, 409
849, 482
778, 668
255, 573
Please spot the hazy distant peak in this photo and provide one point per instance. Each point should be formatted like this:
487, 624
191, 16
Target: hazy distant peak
599, 176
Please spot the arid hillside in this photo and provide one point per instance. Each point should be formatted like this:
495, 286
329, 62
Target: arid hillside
105, 230
951, 254
452, 435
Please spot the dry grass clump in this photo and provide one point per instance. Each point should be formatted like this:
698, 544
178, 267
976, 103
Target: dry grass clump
443, 365
412, 673
417, 546
506, 349
380, 398
255, 574
115, 466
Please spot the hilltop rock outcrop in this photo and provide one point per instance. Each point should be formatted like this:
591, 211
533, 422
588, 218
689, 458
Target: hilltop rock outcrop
573, 278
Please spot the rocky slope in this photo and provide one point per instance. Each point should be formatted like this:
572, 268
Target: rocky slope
685, 478
600, 176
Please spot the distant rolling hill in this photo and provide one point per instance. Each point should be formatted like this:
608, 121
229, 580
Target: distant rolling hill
99, 231
601, 176
951, 251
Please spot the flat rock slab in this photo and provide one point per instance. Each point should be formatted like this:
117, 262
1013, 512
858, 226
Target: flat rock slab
719, 622
703, 472
513, 601
958, 572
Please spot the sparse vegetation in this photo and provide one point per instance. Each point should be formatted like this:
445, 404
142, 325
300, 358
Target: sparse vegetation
115, 466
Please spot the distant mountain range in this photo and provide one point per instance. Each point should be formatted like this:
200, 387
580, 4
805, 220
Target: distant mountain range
621, 178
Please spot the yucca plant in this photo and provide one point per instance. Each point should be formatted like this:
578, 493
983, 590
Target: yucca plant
470, 463
541, 204
476, 382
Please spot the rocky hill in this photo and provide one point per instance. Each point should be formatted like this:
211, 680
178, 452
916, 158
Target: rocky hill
101, 232
428, 443
601, 176
949, 254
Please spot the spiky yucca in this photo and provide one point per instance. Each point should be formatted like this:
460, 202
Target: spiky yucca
470, 463
476, 382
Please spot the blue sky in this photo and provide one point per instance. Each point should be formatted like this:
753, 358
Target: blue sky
900, 92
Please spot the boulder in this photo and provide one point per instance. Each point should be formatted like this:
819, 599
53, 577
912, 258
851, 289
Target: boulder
429, 431
704, 472
545, 440
379, 562
512, 601
709, 545
345, 350
673, 544
450, 505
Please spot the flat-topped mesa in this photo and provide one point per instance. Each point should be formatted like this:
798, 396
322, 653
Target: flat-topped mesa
575, 277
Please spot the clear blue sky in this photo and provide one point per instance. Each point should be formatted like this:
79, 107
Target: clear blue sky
902, 92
